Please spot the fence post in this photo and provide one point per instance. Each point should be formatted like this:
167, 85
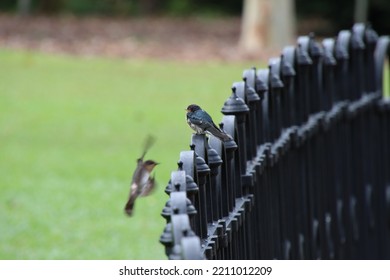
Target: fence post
202, 171
236, 106
382, 51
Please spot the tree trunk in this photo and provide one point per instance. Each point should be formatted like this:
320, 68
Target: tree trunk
267, 24
24, 7
361, 11
282, 24
253, 27
149, 7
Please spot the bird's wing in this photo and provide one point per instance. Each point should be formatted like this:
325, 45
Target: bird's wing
205, 116
138, 171
149, 186
210, 125
149, 141
218, 133
201, 119
192, 118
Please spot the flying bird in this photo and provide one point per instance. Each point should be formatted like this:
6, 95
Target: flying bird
200, 121
142, 182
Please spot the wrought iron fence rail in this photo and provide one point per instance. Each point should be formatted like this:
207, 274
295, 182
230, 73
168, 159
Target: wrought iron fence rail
307, 173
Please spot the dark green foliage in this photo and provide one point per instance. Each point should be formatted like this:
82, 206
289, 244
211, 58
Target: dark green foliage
340, 14
379, 16
7, 5
333, 14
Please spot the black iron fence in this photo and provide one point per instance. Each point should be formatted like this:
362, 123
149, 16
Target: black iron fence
307, 175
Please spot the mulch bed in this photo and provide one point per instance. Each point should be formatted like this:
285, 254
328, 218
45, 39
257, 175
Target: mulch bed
185, 39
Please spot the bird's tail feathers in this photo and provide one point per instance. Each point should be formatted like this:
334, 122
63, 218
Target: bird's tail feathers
219, 134
129, 206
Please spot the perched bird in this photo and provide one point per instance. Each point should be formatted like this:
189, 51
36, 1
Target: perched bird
200, 121
142, 182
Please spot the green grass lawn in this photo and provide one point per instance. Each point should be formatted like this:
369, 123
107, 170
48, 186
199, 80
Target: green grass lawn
70, 132
386, 80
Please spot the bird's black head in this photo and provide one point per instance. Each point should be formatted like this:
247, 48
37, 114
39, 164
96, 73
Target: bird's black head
192, 108
149, 165
150, 162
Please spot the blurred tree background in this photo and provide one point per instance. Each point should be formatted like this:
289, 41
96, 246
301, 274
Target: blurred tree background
323, 17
